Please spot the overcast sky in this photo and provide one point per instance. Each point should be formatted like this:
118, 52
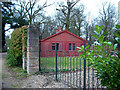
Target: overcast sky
91, 7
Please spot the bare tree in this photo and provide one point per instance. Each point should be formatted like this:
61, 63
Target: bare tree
20, 10
77, 20
47, 26
89, 27
60, 20
30, 9
66, 13
107, 18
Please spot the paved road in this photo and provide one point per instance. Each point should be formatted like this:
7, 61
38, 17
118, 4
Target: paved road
2, 59
8, 79
0, 70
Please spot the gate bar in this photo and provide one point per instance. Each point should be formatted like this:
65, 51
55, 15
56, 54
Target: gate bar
56, 60
39, 56
84, 69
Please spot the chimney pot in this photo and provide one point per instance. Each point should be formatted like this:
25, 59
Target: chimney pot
58, 29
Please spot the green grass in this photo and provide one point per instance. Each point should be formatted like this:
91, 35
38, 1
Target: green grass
63, 63
19, 72
17, 69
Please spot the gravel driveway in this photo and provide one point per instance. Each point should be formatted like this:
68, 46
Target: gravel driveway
41, 81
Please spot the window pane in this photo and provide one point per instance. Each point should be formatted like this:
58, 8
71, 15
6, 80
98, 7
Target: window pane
57, 46
53, 47
73, 47
70, 46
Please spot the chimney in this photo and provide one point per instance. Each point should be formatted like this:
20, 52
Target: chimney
58, 29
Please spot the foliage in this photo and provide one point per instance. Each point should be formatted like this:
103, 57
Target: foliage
9, 17
11, 61
6, 17
117, 37
7, 12
37, 72
106, 65
18, 38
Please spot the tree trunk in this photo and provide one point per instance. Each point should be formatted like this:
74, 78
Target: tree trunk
67, 20
79, 33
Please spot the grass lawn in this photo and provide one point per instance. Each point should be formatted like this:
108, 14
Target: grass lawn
63, 63
19, 72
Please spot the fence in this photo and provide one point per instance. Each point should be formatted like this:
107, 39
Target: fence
69, 68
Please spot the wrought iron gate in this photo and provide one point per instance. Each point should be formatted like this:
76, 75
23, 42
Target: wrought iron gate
69, 68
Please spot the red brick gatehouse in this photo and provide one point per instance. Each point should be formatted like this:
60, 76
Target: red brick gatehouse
66, 41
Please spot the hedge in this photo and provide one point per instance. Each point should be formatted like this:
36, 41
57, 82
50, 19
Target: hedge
18, 38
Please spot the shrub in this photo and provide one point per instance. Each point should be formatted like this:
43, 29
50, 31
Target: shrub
11, 61
107, 67
18, 37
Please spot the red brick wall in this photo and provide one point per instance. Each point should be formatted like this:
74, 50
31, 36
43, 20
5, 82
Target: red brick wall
63, 39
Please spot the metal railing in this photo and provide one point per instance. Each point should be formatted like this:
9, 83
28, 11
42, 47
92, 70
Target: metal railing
69, 68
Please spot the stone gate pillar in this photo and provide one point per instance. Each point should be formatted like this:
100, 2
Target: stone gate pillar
24, 51
32, 49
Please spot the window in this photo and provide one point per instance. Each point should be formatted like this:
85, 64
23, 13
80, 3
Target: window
71, 46
54, 46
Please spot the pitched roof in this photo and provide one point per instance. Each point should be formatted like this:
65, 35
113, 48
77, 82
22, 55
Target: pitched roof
63, 32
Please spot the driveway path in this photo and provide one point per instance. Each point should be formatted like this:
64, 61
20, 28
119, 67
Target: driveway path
7, 77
